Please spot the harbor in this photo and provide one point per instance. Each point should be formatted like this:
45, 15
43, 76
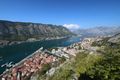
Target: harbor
16, 53
34, 62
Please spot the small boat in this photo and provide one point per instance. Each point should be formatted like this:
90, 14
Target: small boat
4, 65
8, 64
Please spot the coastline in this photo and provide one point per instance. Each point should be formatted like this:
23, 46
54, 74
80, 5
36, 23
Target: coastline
30, 56
16, 53
4, 43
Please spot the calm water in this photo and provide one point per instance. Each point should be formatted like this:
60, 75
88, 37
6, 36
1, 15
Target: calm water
16, 53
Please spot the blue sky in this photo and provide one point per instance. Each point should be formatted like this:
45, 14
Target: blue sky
72, 13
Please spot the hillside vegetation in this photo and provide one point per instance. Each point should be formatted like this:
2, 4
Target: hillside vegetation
109, 67
102, 65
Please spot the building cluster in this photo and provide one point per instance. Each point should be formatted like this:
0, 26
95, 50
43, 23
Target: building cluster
86, 43
67, 52
29, 66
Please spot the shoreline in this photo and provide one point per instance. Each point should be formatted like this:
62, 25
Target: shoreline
39, 51
4, 43
34, 49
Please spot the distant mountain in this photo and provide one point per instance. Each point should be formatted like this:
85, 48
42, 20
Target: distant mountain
115, 38
19, 32
98, 31
16, 31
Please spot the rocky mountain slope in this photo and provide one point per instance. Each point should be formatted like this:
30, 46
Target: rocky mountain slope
115, 38
19, 32
98, 31
23, 31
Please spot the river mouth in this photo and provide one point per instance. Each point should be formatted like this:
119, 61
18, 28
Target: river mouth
16, 53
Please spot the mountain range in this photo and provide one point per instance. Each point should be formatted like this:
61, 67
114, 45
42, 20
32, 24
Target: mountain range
115, 38
18, 32
98, 31
24, 30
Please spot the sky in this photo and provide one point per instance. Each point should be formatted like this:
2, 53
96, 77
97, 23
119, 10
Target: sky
73, 14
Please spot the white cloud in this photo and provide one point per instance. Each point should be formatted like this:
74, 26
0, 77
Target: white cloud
72, 26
